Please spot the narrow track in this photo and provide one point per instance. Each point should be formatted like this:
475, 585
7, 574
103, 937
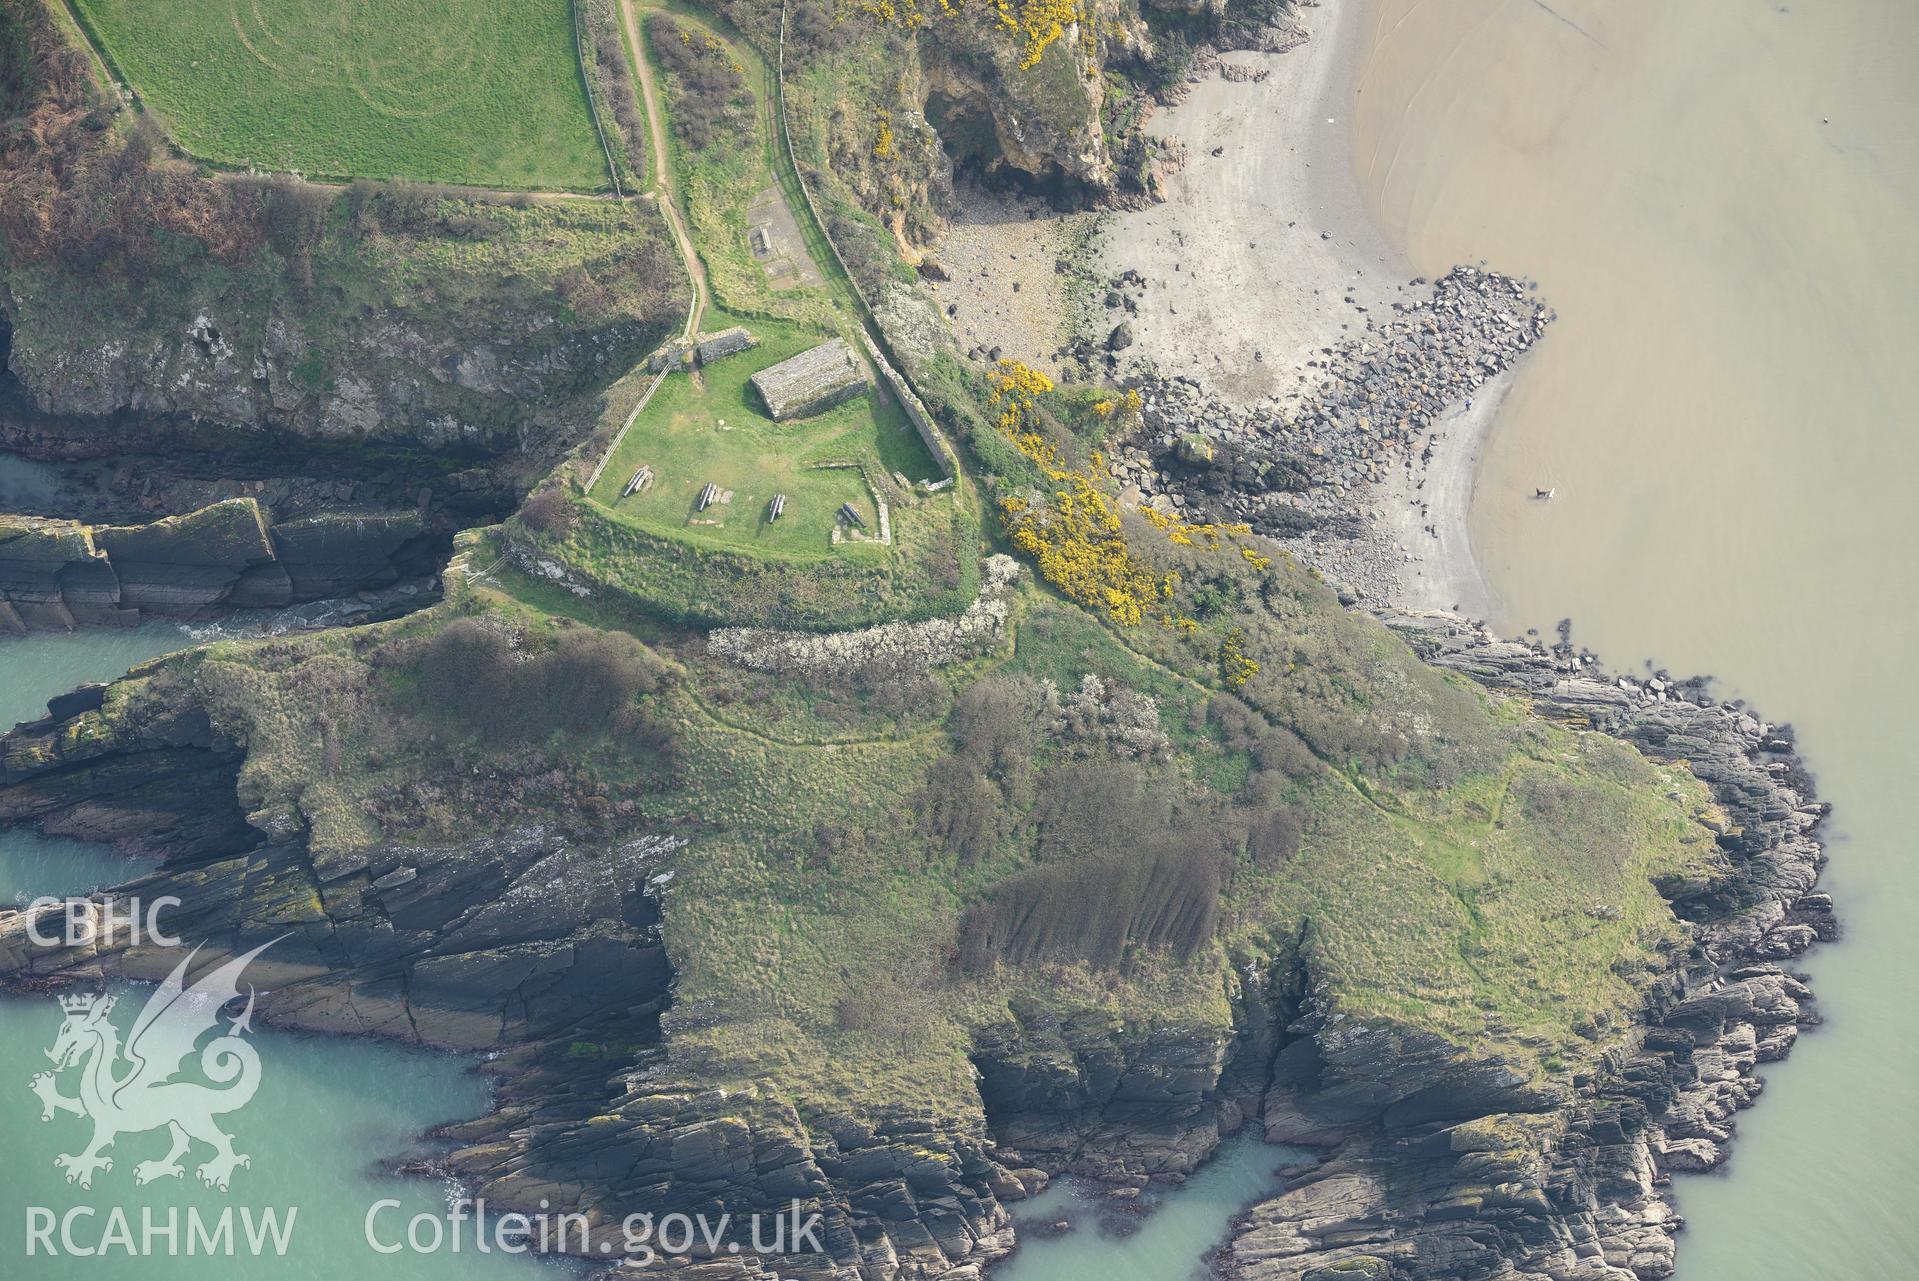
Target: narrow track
664, 191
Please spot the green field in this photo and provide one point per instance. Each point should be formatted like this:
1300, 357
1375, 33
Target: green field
464, 91
717, 430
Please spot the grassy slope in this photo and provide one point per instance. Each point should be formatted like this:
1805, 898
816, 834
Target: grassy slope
469, 274
681, 437
468, 92
658, 556
1464, 907
1461, 910
721, 182
1462, 870
332, 292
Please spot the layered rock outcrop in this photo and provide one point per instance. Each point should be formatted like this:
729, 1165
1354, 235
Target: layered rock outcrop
1440, 1162
1429, 1181
132, 282
60, 574
492, 942
545, 953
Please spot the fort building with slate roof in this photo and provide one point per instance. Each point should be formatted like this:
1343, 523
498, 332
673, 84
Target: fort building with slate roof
810, 382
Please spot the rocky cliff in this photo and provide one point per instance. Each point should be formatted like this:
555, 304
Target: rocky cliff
60, 574
1442, 1160
425, 318
1460, 1178
492, 942
1044, 95
527, 944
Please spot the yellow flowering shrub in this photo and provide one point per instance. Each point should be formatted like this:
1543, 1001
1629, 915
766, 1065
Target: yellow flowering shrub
1075, 541
1235, 668
1036, 24
1186, 534
1075, 538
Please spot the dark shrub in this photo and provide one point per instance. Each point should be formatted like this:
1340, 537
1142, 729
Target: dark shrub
550, 511
1163, 894
1275, 837
961, 809
996, 724
1095, 807
1121, 872
586, 683
710, 100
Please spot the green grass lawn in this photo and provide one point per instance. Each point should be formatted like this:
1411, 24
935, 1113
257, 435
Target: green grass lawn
717, 430
462, 91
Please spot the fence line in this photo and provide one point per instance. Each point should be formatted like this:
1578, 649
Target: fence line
592, 99
896, 379
625, 427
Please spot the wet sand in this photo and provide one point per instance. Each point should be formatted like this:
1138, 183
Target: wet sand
1720, 199
1443, 572
1265, 257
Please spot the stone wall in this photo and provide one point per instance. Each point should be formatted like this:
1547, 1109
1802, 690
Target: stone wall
915, 413
703, 349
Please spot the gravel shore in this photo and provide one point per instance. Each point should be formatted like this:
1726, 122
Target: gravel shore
1005, 290
1368, 474
1294, 376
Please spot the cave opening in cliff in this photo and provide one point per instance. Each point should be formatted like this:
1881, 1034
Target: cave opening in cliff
966, 131
6, 342
972, 145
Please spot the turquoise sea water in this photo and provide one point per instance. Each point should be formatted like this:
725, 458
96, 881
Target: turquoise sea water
1168, 1244
26, 485
33, 669
328, 1112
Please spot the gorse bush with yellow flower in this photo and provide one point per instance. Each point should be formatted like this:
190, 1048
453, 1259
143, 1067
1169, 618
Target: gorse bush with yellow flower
1074, 536
1073, 530
1035, 24
1235, 668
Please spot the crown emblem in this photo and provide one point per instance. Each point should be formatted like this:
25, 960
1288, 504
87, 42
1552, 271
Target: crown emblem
83, 1002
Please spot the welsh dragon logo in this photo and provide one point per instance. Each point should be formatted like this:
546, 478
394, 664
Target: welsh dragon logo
131, 1089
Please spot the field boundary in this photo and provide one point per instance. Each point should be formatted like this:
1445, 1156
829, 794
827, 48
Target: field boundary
592, 99
665, 186
116, 79
119, 83
870, 328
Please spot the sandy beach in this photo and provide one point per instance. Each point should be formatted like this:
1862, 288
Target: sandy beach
1262, 259
1252, 256
1720, 198
1423, 512
1259, 275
